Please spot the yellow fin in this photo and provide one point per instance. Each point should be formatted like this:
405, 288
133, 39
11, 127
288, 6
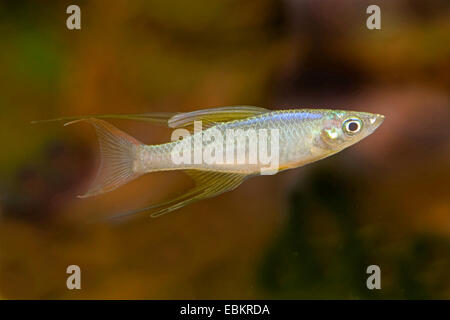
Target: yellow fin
208, 184
154, 117
211, 117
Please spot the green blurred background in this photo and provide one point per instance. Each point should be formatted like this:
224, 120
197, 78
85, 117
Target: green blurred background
304, 233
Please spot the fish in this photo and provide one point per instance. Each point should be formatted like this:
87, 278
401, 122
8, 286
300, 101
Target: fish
298, 137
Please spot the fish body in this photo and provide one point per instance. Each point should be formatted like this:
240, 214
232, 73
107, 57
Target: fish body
297, 137
302, 140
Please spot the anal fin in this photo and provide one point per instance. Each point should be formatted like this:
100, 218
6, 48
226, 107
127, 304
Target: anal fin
208, 184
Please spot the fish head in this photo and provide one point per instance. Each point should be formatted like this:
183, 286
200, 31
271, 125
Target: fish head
341, 129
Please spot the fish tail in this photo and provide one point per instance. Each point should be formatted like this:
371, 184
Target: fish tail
118, 157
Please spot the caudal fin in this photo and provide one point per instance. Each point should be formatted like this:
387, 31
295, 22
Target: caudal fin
118, 154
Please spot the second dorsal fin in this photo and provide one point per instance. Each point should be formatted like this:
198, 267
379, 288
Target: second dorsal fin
154, 117
211, 117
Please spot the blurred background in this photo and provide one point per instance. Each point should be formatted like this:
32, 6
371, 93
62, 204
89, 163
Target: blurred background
304, 233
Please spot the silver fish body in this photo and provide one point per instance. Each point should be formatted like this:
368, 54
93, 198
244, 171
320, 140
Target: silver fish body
304, 136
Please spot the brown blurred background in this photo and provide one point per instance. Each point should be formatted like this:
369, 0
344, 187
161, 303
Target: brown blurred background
305, 233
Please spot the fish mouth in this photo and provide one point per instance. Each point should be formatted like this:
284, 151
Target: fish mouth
376, 121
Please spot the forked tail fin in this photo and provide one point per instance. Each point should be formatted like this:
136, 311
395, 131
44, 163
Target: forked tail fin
118, 154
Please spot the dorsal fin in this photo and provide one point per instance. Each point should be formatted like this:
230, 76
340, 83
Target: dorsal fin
154, 117
211, 117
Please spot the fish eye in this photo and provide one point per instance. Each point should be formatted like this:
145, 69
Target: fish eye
352, 126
